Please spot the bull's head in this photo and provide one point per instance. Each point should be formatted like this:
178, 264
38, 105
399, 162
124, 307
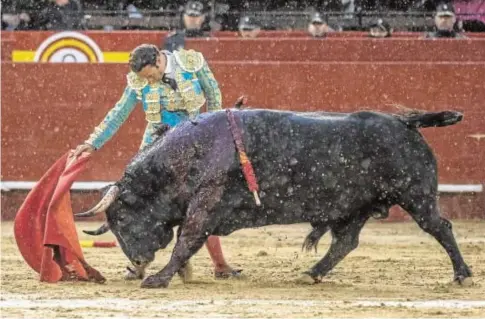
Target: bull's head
136, 222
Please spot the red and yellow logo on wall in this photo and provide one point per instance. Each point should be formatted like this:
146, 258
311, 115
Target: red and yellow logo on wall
63, 47
68, 47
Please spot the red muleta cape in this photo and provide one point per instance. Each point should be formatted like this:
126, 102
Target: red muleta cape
44, 226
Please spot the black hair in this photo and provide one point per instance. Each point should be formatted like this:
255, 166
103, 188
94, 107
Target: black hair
143, 55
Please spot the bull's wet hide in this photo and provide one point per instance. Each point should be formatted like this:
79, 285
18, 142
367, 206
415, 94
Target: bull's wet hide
332, 170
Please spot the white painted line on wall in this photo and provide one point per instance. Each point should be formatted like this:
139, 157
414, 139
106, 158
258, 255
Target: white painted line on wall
28, 185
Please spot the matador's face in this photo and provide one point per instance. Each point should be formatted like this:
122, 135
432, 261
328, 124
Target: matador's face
154, 74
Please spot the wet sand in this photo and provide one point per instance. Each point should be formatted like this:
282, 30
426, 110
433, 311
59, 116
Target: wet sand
398, 271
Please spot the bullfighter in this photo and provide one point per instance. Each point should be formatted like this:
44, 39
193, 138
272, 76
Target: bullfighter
172, 87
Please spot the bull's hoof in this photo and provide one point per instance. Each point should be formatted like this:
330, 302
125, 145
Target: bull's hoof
307, 279
134, 274
464, 281
154, 282
186, 272
234, 273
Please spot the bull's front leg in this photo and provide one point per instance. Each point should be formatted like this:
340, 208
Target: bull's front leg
188, 244
195, 231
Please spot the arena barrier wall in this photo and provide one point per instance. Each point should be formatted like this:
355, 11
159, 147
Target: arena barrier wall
48, 108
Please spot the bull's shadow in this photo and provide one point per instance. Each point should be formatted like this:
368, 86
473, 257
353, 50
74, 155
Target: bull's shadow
332, 170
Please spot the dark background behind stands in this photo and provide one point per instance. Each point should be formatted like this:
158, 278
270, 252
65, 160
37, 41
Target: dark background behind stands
404, 15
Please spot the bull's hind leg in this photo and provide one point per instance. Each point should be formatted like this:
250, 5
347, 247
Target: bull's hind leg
345, 239
195, 230
425, 212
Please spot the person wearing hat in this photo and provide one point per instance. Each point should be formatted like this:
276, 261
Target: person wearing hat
445, 20
318, 27
249, 27
192, 19
380, 29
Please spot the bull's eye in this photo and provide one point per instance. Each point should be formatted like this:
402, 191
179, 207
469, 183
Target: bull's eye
158, 224
122, 220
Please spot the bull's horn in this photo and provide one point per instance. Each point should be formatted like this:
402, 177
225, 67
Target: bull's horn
103, 203
101, 230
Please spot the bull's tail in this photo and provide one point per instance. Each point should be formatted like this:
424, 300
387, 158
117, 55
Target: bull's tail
241, 102
312, 239
430, 119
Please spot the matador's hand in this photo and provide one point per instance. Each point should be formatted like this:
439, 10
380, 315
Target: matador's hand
83, 148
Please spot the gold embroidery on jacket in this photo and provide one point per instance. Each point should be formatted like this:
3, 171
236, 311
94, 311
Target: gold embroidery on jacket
153, 107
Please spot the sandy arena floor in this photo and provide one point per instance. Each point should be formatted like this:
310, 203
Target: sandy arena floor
397, 272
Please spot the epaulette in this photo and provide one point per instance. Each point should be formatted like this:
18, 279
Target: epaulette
189, 60
135, 82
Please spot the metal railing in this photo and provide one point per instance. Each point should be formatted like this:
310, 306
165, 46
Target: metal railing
269, 20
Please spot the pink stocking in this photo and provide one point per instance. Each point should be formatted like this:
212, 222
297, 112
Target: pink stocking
213, 245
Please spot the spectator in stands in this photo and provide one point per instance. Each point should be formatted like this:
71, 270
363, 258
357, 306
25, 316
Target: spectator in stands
217, 24
380, 29
458, 26
249, 27
226, 16
62, 15
192, 19
445, 19
12, 22
348, 6
20, 15
318, 27
133, 12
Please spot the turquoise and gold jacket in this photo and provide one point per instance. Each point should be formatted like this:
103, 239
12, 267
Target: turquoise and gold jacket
196, 85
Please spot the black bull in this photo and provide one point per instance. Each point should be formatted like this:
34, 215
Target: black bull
331, 170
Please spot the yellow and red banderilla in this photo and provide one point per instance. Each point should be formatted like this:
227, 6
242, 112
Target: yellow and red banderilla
247, 167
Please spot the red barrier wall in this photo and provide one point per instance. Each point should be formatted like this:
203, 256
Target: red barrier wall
49, 108
56, 106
